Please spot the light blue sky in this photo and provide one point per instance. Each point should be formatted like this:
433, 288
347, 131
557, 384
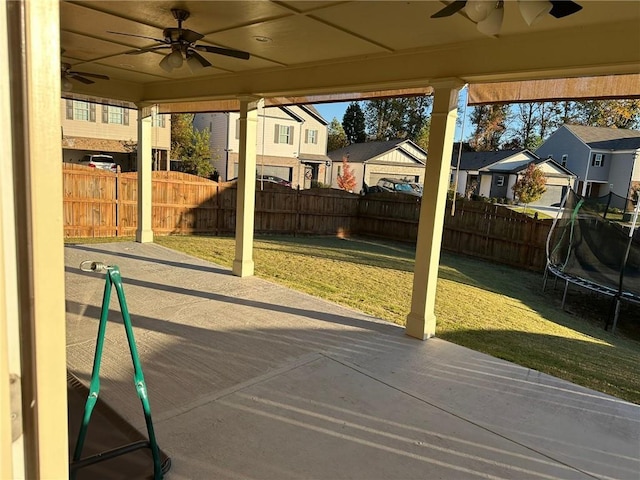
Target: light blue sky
331, 110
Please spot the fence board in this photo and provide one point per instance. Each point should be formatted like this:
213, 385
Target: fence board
103, 204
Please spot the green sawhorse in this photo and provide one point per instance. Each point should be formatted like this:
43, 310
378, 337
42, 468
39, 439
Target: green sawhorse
113, 278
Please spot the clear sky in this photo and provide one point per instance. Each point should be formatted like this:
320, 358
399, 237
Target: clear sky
331, 110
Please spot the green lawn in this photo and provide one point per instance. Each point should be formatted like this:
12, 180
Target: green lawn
487, 307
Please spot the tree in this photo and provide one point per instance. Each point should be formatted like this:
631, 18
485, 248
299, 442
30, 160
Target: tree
422, 140
190, 146
402, 117
609, 113
346, 180
336, 137
353, 124
490, 123
181, 133
531, 185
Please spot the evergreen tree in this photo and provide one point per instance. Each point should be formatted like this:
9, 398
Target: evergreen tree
346, 180
353, 124
391, 118
531, 185
336, 137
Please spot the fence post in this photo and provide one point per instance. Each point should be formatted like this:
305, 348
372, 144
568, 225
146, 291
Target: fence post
118, 201
296, 227
217, 228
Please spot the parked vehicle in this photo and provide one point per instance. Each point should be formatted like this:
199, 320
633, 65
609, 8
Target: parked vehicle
397, 186
99, 161
273, 179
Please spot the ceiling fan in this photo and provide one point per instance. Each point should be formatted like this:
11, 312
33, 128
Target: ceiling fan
182, 43
488, 14
68, 75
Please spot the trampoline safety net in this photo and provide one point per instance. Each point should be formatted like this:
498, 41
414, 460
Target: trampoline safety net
595, 242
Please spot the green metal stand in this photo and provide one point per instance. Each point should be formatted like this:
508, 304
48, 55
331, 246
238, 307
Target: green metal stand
113, 278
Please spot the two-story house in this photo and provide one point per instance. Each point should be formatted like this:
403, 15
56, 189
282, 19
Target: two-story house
110, 127
603, 159
291, 143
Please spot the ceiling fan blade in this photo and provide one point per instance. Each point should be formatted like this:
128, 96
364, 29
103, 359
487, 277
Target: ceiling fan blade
564, 8
86, 81
159, 40
149, 49
223, 51
87, 74
450, 9
203, 61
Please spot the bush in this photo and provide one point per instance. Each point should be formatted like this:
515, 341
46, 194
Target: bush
317, 184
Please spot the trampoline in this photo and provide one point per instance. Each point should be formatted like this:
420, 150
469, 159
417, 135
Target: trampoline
594, 243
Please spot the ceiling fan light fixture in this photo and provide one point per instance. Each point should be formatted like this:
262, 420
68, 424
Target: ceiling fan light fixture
194, 64
534, 10
175, 58
478, 10
66, 85
493, 23
165, 64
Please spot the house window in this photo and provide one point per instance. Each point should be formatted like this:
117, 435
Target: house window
79, 110
115, 115
565, 157
284, 134
157, 121
598, 160
311, 136
500, 181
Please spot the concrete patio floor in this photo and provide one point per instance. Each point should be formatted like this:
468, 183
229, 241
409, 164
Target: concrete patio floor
250, 380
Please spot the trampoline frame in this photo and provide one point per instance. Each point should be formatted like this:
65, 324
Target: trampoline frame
557, 270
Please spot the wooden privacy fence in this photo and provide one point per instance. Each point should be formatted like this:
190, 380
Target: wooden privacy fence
103, 204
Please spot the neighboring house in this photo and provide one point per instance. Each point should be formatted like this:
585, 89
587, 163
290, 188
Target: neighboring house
493, 174
372, 161
291, 143
90, 128
603, 159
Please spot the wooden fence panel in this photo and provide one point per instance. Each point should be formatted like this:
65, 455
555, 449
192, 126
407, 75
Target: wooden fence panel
89, 202
389, 215
100, 203
324, 211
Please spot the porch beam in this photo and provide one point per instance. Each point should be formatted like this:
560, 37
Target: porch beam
243, 265
421, 321
144, 232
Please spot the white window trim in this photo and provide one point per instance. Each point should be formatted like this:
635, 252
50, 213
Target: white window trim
284, 134
597, 160
500, 181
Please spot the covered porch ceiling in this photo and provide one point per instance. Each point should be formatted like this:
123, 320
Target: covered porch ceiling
338, 50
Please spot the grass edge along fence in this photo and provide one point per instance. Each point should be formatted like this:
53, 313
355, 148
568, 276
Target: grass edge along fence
104, 204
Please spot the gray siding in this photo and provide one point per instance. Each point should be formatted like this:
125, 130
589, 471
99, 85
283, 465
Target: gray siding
620, 173
563, 142
499, 191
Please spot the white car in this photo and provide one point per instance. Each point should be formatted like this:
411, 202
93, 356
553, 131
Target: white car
101, 161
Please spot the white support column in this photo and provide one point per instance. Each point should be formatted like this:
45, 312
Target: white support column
11, 448
144, 233
32, 307
421, 321
245, 204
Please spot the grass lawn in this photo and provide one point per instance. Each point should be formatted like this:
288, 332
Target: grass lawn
487, 307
